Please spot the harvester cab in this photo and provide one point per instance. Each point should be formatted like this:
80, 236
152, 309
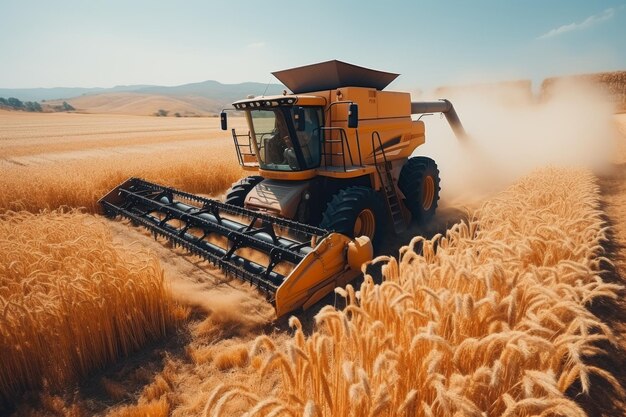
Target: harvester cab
331, 166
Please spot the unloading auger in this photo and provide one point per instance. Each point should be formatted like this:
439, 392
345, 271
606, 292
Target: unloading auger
293, 263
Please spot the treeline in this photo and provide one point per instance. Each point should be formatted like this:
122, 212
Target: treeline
32, 106
63, 107
165, 113
17, 104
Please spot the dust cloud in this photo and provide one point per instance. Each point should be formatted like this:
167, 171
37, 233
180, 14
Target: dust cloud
226, 306
511, 133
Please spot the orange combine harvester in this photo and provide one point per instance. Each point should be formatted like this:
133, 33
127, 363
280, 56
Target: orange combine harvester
332, 168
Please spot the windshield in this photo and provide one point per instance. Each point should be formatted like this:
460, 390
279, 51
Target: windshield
273, 130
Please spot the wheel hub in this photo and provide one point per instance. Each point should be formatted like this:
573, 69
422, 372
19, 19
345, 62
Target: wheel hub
365, 224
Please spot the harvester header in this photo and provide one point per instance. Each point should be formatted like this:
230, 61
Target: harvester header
294, 264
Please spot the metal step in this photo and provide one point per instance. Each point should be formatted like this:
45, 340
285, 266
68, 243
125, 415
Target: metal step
393, 202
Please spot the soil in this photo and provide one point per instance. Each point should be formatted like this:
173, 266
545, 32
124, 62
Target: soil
612, 185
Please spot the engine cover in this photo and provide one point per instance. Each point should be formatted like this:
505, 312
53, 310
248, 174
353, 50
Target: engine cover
277, 197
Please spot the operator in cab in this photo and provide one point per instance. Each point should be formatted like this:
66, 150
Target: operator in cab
279, 147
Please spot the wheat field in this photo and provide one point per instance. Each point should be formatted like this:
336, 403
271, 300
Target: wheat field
72, 301
488, 319
55, 160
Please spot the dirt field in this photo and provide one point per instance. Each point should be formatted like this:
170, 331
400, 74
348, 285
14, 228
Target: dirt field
613, 186
177, 376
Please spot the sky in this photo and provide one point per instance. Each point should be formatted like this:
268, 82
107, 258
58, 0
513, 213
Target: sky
104, 43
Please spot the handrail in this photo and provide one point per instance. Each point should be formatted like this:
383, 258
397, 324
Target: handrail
380, 146
238, 146
358, 146
343, 139
374, 152
356, 131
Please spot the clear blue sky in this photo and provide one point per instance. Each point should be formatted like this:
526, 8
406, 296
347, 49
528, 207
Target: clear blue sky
118, 42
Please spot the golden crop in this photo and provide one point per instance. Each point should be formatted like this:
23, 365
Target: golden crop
55, 160
71, 300
488, 319
82, 183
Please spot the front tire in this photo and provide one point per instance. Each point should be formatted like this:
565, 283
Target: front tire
236, 194
356, 211
419, 182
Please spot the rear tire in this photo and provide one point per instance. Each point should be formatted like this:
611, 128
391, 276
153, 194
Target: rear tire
356, 211
237, 193
419, 182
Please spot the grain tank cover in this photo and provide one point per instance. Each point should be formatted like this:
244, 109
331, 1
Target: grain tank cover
332, 74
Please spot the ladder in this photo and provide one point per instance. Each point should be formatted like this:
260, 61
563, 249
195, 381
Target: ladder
383, 168
246, 157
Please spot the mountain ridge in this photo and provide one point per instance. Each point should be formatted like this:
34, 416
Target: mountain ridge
192, 99
210, 89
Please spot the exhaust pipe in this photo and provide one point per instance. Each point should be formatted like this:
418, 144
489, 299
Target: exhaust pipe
441, 106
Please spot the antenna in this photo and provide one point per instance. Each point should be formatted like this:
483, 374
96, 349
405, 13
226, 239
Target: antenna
266, 87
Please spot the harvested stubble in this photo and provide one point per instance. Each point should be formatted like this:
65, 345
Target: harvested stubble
71, 300
489, 319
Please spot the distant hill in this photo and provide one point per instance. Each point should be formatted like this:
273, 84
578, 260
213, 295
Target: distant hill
57, 93
207, 97
214, 90
143, 104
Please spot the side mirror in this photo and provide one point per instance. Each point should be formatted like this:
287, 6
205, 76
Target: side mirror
353, 116
298, 117
224, 120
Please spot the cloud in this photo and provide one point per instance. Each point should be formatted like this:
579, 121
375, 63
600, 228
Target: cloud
585, 24
256, 45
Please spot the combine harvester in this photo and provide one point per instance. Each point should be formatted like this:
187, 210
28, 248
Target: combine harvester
332, 168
